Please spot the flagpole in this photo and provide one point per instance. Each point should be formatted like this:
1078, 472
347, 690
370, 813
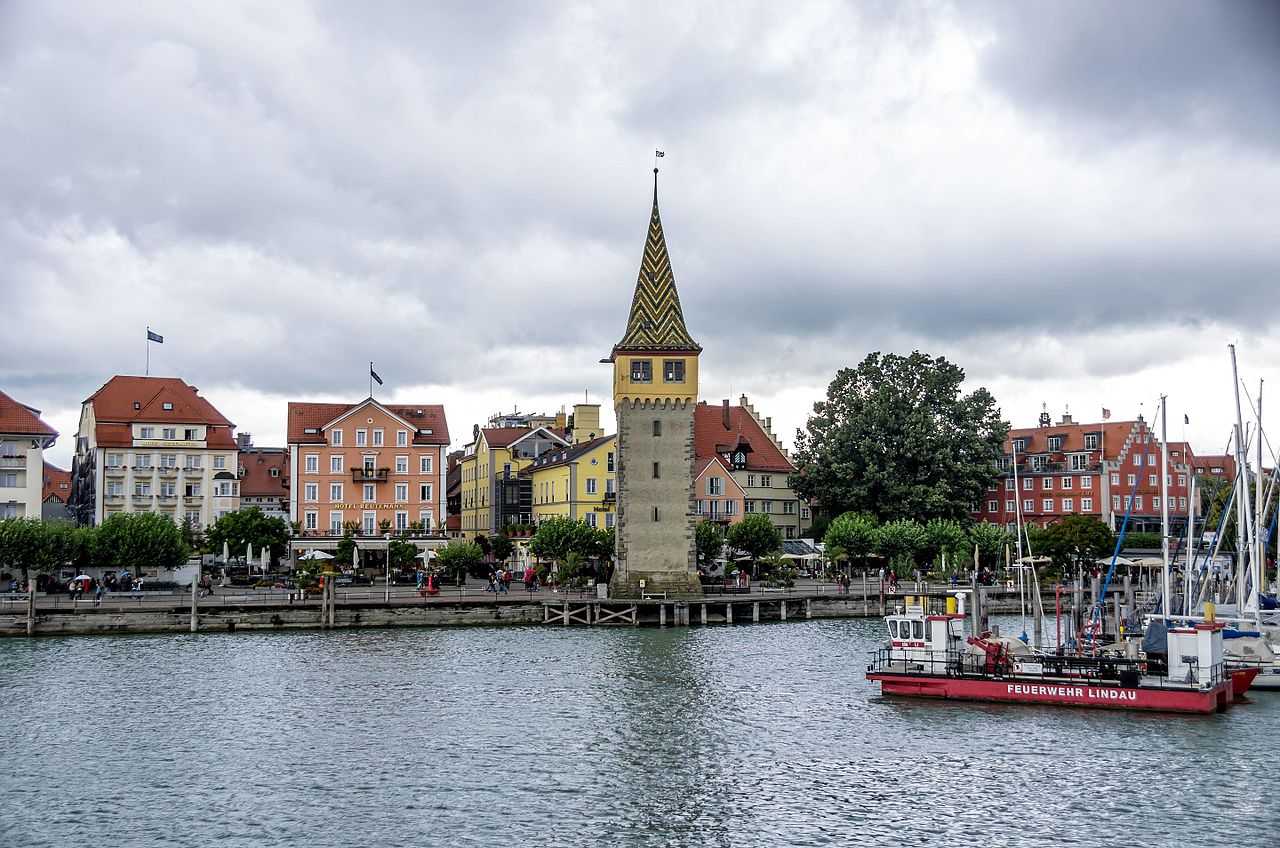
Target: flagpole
371, 378
147, 373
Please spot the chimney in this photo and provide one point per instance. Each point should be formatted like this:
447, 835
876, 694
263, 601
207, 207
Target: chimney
1066, 419
244, 441
725, 413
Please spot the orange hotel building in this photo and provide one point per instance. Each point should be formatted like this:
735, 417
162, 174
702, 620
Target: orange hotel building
366, 463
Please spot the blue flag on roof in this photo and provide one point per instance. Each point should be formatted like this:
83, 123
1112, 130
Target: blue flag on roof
155, 337
374, 375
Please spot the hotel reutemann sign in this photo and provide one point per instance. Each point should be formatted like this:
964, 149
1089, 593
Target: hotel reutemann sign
404, 505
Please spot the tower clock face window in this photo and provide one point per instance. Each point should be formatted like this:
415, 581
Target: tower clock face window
642, 371
673, 370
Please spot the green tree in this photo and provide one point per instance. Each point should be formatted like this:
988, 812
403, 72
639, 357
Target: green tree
708, 541
134, 541
346, 551
26, 545
502, 547
559, 536
944, 536
756, 535
896, 438
900, 542
458, 558
991, 540
854, 533
605, 544
403, 554
71, 545
836, 555
1076, 540
249, 527
818, 528
483, 541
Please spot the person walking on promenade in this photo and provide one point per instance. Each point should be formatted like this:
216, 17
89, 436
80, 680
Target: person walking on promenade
493, 584
97, 593
501, 583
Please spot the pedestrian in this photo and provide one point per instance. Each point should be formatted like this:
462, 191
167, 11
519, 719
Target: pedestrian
97, 594
502, 582
493, 584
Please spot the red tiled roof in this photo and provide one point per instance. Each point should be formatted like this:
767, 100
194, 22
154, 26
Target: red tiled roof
258, 481
709, 432
123, 400
505, 437
1112, 435
57, 483
18, 419
314, 416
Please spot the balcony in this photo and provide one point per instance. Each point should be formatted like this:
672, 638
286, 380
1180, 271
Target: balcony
193, 470
369, 475
168, 471
143, 470
610, 497
114, 470
14, 461
168, 499
192, 499
113, 499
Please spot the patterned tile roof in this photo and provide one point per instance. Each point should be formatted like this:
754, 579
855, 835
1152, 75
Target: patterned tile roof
18, 419
656, 321
57, 483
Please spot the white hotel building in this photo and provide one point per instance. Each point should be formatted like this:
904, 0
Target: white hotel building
23, 439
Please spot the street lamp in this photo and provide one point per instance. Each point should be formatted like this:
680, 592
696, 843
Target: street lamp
387, 538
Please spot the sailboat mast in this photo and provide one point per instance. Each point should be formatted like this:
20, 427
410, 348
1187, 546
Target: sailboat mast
1166, 585
1187, 606
1242, 504
1257, 564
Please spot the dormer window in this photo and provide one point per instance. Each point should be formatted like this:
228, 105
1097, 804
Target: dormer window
1055, 443
275, 472
166, 406
642, 371
1020, 445
739, 460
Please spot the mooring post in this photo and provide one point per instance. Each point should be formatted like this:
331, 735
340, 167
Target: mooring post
782, 611
662, 615
566, 613
31, 607
194, 582
808, 607
333, 603
704, 614
755, 611
728, 613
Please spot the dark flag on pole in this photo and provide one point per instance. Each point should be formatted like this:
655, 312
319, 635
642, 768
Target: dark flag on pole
658, 154
155, 337
374, 375
1186, 419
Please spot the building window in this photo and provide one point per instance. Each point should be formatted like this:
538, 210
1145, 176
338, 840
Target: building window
1115, 501
1028, 505
193, 463
1115, 479
311, 492
368, 495
402, 465
1155, 502
1066, 482
591, 519
140, 490
402, 438
673, 370
715, 485
591, 485
369, 521
1028, 483
377, 437
311, 519
335, 522
335, 463
1091, 441
227, 489
1182, 503
1182, 479
142, 461
1137, 502
1086, 482
731, 508
642, 371
335, 493
1151, 459
1020, 445
1068, 504
424, 492
1008, 484
169, 433
1047, 484
657, 427
219, 463
312, 463
335, 438
610, 486
1131, 479
426, 516
749, 506
1055, 443
168, 460
1153, 482
424, 464
791, 531
1047, 504
191, 434
1086, 504
766, 506
362, 438
788, 507
657, 515
146, 432
402, 492
992, 506
608, 519
609, 463
402, 521
766, 481
656, 475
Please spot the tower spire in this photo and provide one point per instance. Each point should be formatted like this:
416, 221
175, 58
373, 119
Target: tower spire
656, 321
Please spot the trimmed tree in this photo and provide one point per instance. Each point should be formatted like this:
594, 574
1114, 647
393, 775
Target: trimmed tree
756, 535
248, 527
900, 542
854, 533
708, 540
132, 541
897, 438
458, 558
991, 540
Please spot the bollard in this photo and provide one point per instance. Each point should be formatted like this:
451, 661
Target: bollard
782, 610
704, 614
662, 615
755, 611
728, 613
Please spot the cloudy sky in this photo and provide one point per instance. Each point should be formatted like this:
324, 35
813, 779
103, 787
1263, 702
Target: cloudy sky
1077, 202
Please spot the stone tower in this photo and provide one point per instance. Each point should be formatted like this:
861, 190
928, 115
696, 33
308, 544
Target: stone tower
655, 390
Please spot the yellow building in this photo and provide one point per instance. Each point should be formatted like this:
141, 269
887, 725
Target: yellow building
576, 482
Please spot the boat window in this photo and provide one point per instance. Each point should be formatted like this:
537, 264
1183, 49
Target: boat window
893, 628
917, 628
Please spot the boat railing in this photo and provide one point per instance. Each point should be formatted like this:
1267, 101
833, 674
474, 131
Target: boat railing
1103, 669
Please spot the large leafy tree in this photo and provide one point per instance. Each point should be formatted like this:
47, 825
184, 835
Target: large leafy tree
897, 438
756, 535
854, 533
134, 541
458, 558
708, 541
502, 547
991, 541
944, 536
26, 545
558, 537
900, 542
249, 527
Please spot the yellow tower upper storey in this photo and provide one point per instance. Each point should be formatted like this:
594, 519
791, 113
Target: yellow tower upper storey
657, 359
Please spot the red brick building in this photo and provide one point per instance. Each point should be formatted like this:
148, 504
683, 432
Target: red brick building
1100, 469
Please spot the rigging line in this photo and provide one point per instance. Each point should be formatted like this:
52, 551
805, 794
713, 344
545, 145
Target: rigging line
1124, 527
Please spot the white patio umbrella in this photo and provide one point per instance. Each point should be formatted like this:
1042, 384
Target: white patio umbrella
248, 555
263, 555
314, 555
226, 553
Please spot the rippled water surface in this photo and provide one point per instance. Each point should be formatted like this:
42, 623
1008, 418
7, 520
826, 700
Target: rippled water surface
750, 735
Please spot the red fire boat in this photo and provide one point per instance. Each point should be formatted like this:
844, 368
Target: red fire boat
929, 656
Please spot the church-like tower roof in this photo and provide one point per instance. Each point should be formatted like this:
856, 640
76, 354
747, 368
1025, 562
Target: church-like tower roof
656, 321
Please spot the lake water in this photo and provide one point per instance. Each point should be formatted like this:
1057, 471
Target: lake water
752, 735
